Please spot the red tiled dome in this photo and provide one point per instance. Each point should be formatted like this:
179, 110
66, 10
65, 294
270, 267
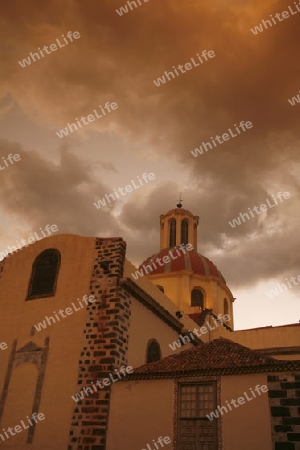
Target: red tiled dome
190, 261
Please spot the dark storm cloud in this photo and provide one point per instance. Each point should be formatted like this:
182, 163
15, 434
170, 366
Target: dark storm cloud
117, 59
257, 250
39, 192
108, 166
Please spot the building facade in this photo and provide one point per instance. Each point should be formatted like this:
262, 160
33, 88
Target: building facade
76, 312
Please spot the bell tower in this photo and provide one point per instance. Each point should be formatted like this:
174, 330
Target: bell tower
178, 226
187, 277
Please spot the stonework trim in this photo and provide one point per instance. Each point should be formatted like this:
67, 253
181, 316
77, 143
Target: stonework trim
38, 391
284, 402
105, 345
7, 377
35, 355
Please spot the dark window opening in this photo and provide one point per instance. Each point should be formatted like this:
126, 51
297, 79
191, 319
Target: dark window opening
153, 352
44, 274
197, 298
195, 430
184, 232
226, 309
172, 233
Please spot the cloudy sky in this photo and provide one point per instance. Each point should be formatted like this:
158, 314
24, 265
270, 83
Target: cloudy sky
154, 130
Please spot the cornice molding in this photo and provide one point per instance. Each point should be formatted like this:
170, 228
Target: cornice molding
132, 288
281, 351
282, 366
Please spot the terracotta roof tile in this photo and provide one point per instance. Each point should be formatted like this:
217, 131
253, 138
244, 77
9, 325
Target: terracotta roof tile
218, 357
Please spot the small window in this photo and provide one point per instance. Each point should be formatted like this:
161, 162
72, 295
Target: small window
153, 352
161, 288
184, 232
226, 308
44, 274
197, 298
172, 233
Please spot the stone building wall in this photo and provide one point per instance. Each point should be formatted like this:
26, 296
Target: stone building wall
284, 400
106, 334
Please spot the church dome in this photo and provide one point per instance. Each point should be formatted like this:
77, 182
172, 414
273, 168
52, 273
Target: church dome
178, 261
188, 278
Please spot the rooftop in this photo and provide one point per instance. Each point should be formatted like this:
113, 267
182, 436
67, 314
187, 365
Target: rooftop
218, 357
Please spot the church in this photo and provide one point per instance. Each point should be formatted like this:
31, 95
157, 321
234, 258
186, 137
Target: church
96, 354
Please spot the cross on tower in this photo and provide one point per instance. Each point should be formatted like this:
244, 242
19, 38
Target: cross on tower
179, 204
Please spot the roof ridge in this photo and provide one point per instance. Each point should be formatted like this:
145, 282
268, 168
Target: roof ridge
221, 354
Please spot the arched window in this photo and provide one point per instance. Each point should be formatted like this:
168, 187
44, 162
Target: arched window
161, 288
226, 308
197, 298
44, 274
172, 233
153, 351
184, 232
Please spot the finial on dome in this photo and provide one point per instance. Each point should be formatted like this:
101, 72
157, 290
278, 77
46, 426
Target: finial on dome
179, 204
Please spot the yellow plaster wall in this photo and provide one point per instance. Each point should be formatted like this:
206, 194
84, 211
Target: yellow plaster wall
163, 299
265, 338
248, 426
179, 285
172, 287
66, 336
145, 325
141, 411
19, 403
144, 410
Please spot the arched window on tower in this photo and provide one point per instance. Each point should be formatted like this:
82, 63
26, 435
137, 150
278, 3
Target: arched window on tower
153, 351
184, 232
197, 298
226, 308
172, 242
44, 274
